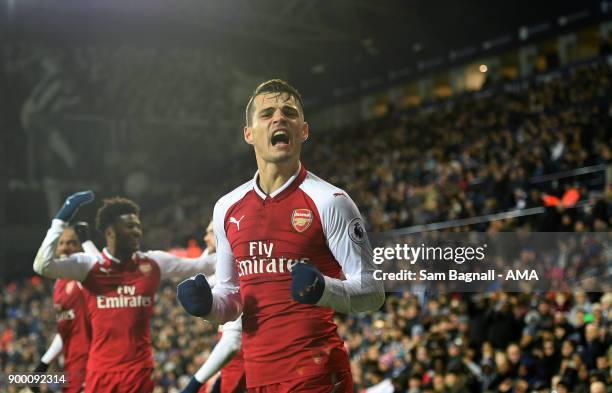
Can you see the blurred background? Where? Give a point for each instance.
(448, 115)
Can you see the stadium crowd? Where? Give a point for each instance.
(479, 343)
(459, 158)
(475, 154)
(448, 343)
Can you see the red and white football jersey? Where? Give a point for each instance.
(72, 325)
(260, 238)
(119, 295)
(120, 301)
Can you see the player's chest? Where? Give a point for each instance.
(288, 227)
(136, 279)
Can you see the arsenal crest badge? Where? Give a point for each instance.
(145, 268)
(301, 219)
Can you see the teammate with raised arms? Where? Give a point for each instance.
(120, 291)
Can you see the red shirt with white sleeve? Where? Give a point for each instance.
(72, 324)
(120, 296)
(260, 238)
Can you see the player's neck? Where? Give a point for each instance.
(121, 255)
(272, 175)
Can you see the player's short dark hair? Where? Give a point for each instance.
(272, 86)
(112, 208)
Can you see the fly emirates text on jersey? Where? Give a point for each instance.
(261, 261)
(126, 298)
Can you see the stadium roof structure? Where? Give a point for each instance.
(320, 44)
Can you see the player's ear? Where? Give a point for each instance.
(248, 135)
(305, 130)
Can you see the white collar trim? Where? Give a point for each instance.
(109, 256)
(282, 188)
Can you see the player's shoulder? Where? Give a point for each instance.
(158, 256)
(324, 194)
(88, 259)
(229, 199)
(96, 263)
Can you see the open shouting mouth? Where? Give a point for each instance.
(280, 138)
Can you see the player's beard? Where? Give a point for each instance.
(128, 246)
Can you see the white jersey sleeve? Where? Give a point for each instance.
(224, 351)
(227, 305)
(172, 266)
(75, 266)
(54, 350)
(90, 248)
(348, 242)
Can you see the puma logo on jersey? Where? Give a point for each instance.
(237, 222)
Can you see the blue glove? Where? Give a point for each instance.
(307, 285)
(195, 296)
(72, 204)
(193, 386)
